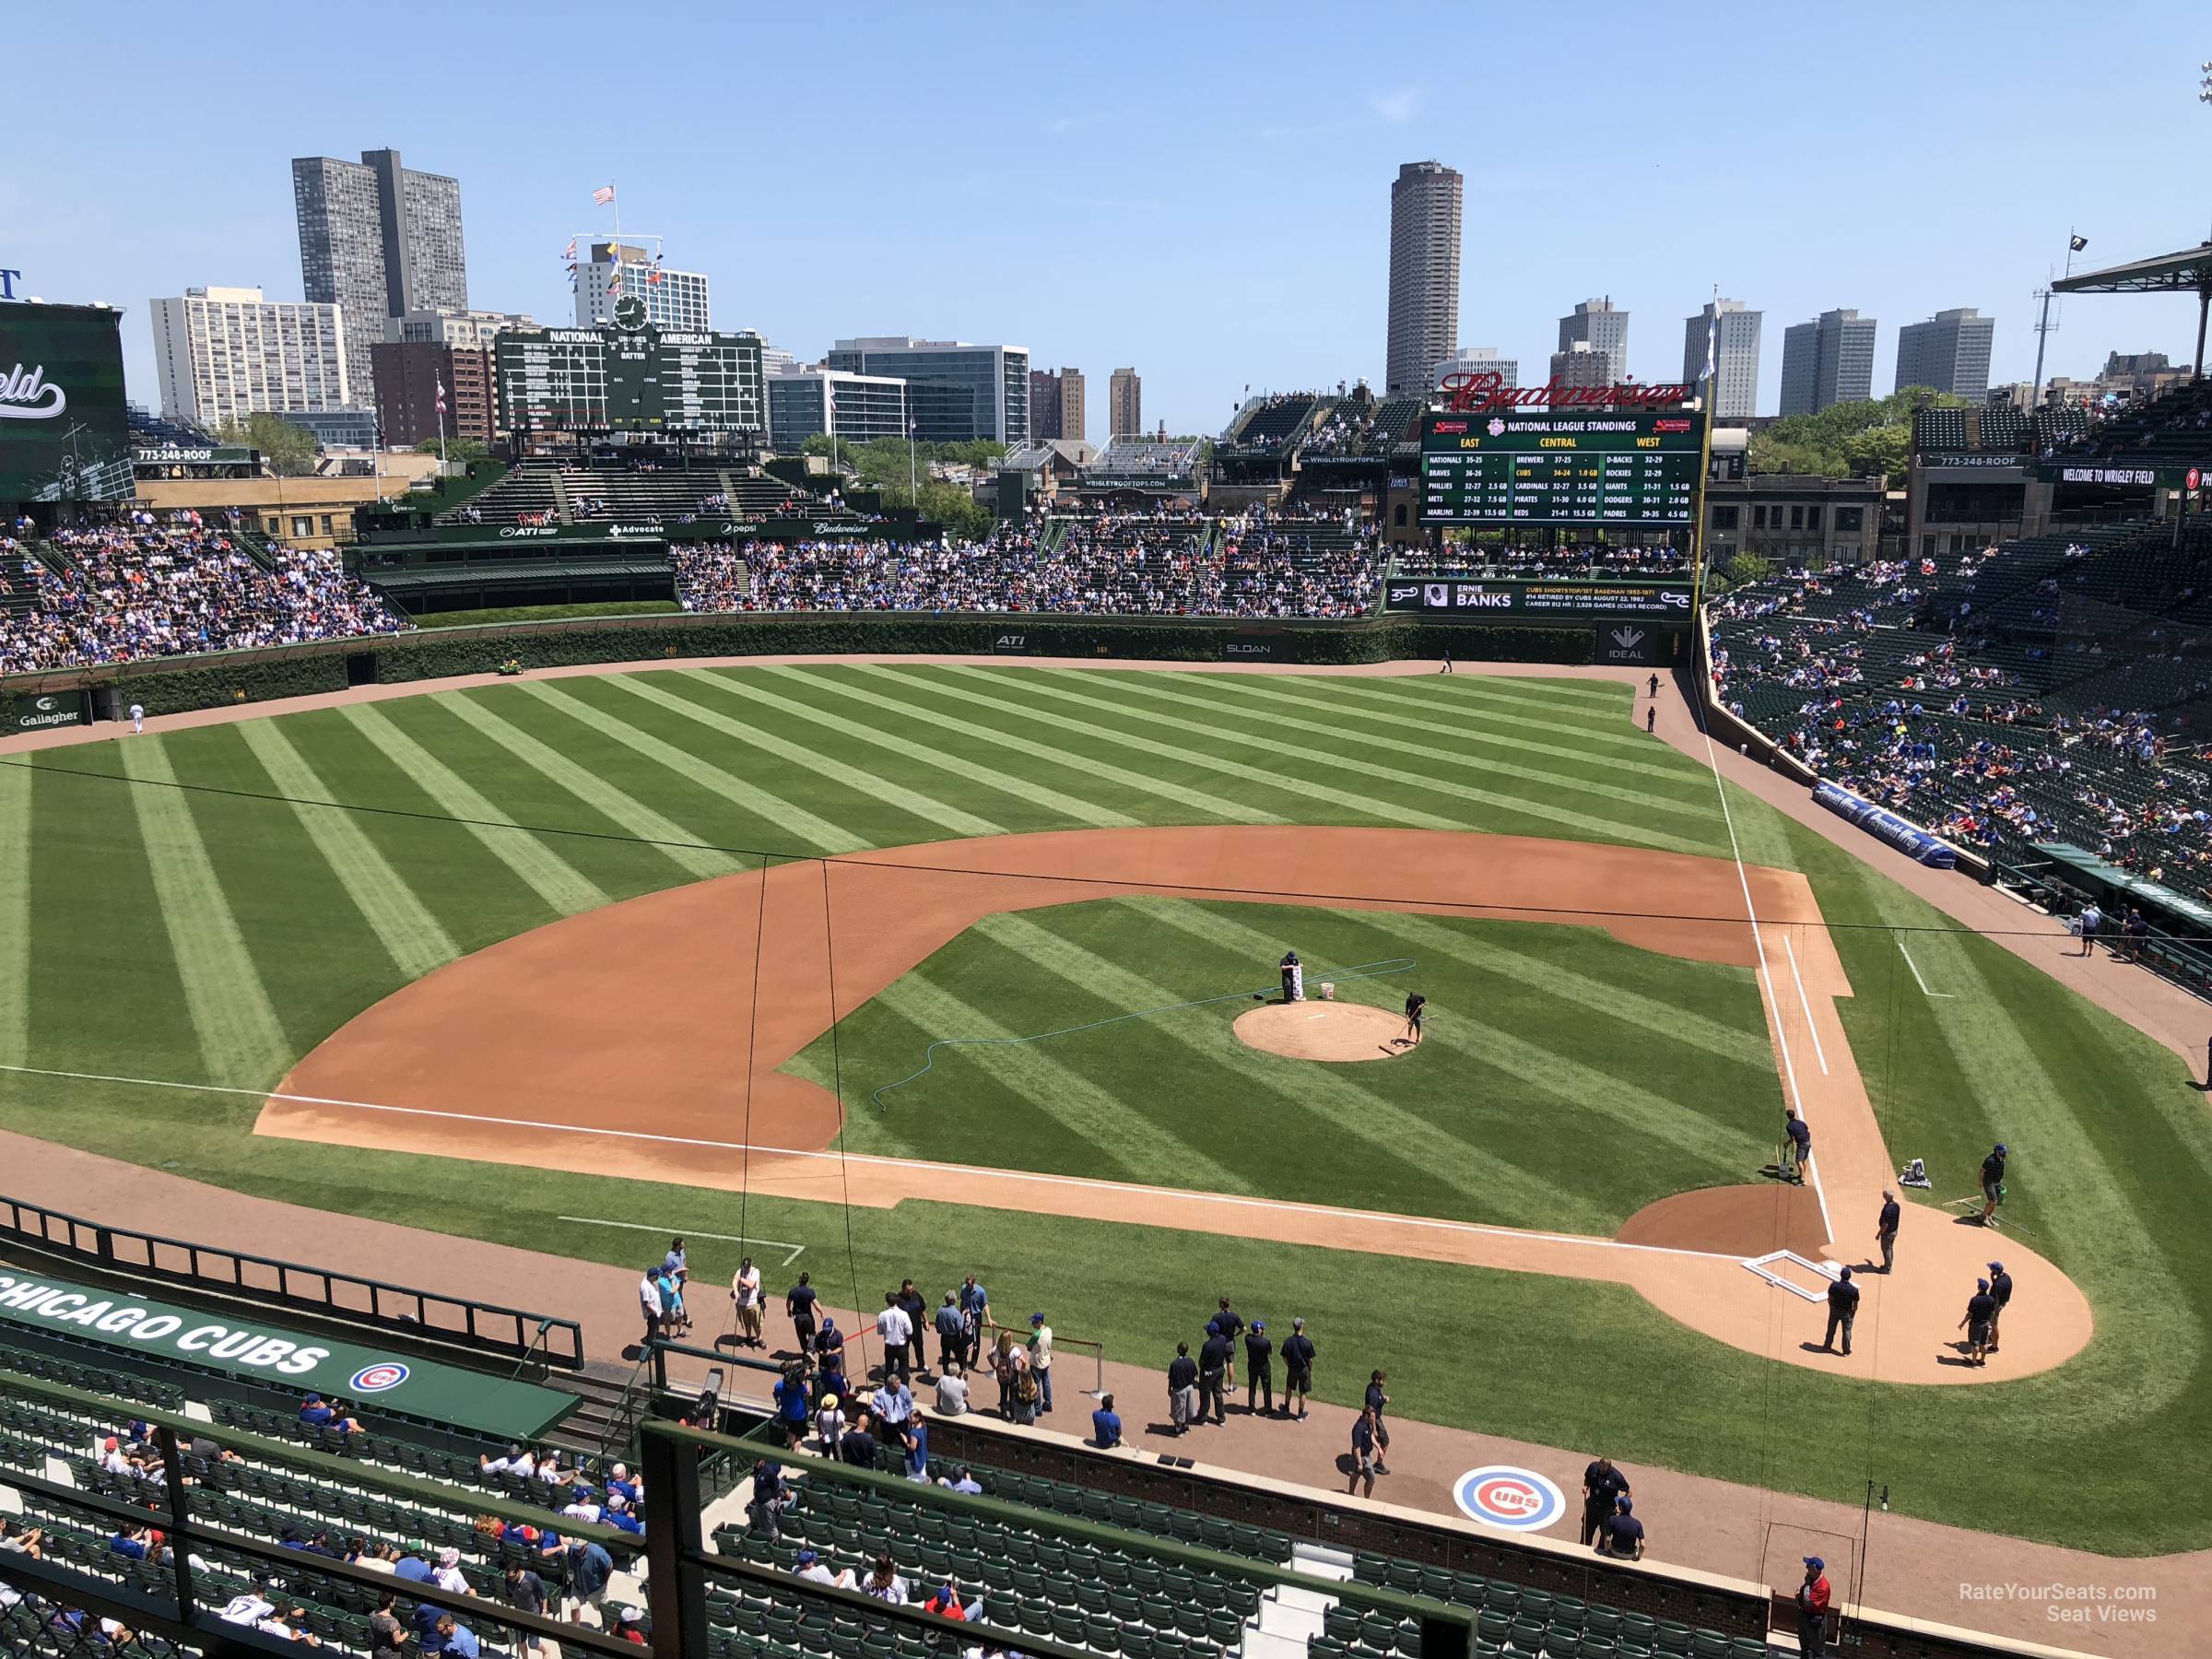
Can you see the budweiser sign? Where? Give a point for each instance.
(1468, 393)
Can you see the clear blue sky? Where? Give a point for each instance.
(1200, 191)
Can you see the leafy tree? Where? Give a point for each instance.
(456, 449)
(290, 450)
(1867, 440)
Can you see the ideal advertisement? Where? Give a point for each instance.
(63, 436)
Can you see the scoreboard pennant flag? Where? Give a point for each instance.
(569, 252)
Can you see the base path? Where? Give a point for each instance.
(648, 1035)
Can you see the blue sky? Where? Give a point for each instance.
(1199, 191)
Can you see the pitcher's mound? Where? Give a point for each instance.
(1324, 1030)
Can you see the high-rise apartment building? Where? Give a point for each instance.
(409, 376)
(1731, 333)
(224, 353)
(1125, 405)
(1582, 364)
(955, 391)
(378, 240)
(1425, 207)
(468, 330)
(673, 299)
(1480, 360)
(1829, 361)
(1949, 352)
(1604, 329)
(1055, 404)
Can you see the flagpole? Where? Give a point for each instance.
(441, 430)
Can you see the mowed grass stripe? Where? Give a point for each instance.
(1190, 696)
(1557, 1076)
(1440, 721)
(1603, 997)
(414, 938)
(1212, 804)
(564, 889)
(1591, 825)
(1450, 1167)
(814, 833)
(241, 1041)
(1363, 806)
(14, 913)
(1537, 708)
(744, 683)
(1127, 1135)
(809, 758)
(605, 798)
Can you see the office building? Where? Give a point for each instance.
(467, 330)
(409, 374)
(673, 299)
(1598, 325)
(1731, 334)
(225, 352)
(1582, 364)
(1125, 405)
(856, 407)
(1425, 207)
(1478, 359)
(378, 240)
(955, 391)
(1827, 361)
(1056, 405)
(1948, 352)
(350, 428)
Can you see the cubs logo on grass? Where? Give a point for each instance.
(1499, 1495)
(380, 1378)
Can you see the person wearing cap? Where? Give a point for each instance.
(1040, 1361)
(1796, 1145)
(630, 1624)
(895, 1331)
(830, 1423)
(810, 1566)
(1297, 1367)
(1182, 1389)
(964, 1482)
(1623, 1533)
(945, 1602)
(1812, 1600)
(1229, 1324)
(801, 1303)
(1885, 1229)
(1981, 1308)
(1259, 1369)
(1992, 1183)
(1213, 1372)
(589, 1569)
(2000, 1291)
(526, 1591)
(1363, 1456)
(1842, 1309)
(1602, 1484)
(793, 1409)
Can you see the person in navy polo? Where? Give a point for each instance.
(2000, 1291)
(1602, 1485)
(1106, 1424)
(1842, 1309)
(1624, 1532)
(1885, 1229)
(1981, 1308)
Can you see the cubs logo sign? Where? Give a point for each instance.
(1518, 1500)
(380, 1378)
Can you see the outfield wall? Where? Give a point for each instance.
(173, 685)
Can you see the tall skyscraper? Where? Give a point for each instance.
(1733, 334)
(673, 299)
(1829, 361)
(1125, 405)
(224, 353)
(1055, 404)
(1596, 324)
(378, 240)
(1425, 207)
(1948, 352)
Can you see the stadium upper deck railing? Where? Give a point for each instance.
(482, 1328)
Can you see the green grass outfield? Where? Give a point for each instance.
(216, 933)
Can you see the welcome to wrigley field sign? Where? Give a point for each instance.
(252, 1352)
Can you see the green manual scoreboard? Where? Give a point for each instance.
(64, 435)
(631, 377)
(1630, 468)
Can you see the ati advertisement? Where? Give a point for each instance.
(63, 437)
(1580, 601)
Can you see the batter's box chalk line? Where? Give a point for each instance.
(677, 1232)
(1764, 1266)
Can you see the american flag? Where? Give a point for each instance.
(570, 252)
(603, 195)
(441, 398)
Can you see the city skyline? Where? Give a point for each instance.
(1230, 235)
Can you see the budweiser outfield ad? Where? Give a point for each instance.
(63, 437)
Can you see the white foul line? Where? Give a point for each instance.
(724, 1238)
(981, 1172)
(1946, 995)
(1805, 1003)
(1781, 1038)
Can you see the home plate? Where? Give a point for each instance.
(1324, 1030)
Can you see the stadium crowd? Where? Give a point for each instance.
(141, 588)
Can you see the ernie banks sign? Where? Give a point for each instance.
(1499, 1495)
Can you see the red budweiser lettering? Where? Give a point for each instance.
(1480, 394)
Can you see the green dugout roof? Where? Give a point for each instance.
(514, 569)
(255, 1352)
(2153, 894)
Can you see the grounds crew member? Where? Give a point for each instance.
(1182, 1388)
(1885, 1229)
(1602, 1484)
(1981, 1308)
(1213, 1368)
(1297, 1367)
(1842, 1308)
(1797, 1145)
(1259, 1369)
(2000, 1290)
(1992, 1183)
(1812, 1599)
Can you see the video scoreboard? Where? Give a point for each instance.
(1597, 468)
(634, 379)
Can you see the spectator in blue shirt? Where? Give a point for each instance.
(915, 1437)
(1106, 1424)
(794, 1410)
(590, 1568)
(130, 1542)
(1624, 1532)
(411, 1567)
(455, 1639)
